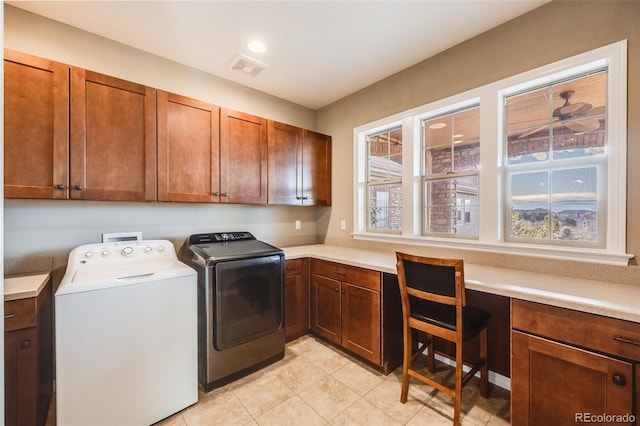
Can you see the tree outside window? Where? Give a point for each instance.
(555, 160)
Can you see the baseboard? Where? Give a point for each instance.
(495, 378)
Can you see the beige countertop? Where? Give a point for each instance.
(614, 300)
(22, 287)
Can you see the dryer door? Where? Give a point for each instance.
(248, 300)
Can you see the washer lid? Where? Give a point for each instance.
(232, 250)
(92, 278)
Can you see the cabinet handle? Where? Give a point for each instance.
(305, 198)
(216, 193)
(298, 197)
(60, 186)
(619, 380)
(344, 292)
(9, 316)
(78, 187)
(625, 340)
(340, 273)
(225, 194)
(336, 289)
(26, 344)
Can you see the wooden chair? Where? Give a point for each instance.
(433, 303)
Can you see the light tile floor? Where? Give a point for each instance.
(316, 384)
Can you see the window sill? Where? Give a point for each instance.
(577, 255)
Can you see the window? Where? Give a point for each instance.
(556, 161)
(451, 160)
(534, 164)
(384, 177)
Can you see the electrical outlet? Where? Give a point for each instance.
(343, 225)
(298, 225)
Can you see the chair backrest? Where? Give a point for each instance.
(437, 280)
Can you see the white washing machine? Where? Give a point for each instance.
(126, 335)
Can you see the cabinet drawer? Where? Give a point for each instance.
(602, 334)
(20, 313)
(293, 266)
(350, 274)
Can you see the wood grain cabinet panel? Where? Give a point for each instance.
(552, 383)
(296, 298)
(345, 309)
(299, 166)
(243, 158)
(326, 318)
(316, 169)
(36, 127)
(361, 321)
(188, 149)
(113, 138)
(285, 164)
(567, 364)
(28, 359)
(21, 377)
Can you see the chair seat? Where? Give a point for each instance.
(474, 319)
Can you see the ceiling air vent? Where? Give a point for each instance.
(246, 65)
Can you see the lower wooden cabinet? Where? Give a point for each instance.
(345, 307)
(296, 298)
(569, 366)
(28, 359)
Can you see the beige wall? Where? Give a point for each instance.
(550, 33)
(34, 228)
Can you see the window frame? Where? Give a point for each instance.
(426, 177)
(491, 185)
(551, 165)
(386, 182)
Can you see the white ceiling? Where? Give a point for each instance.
(317, 51)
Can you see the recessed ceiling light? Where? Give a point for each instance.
(436, 126)
(256, 46)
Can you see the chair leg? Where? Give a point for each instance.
(406, 364)
(484, 370)
(431, 366)
(457, 401)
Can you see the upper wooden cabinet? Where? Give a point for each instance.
(299, 166)
(188, 149)
(36, 127)
(113, 138)
(316, 169)
(79, 134)
(243, 158)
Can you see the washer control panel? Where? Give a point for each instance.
(121, 251)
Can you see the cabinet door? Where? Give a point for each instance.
(552, 383)
(325, 307)
(296, 298)
(113, 138)
(21, 377)
(361, 321)
(296, 312)
(188, 149)
(36, 122)
(285, 164)
(243, 158)
(316, 169)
